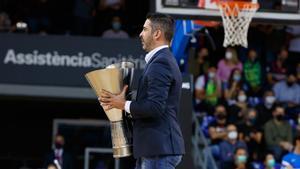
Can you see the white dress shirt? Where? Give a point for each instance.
(147, 59)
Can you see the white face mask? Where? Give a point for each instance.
(242, 98)
(211, 75)
(232, 135)
(228, 55)
(270, 99)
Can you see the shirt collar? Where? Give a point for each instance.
(153, 51)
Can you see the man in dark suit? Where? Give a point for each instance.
(157, 138)
(58, 155)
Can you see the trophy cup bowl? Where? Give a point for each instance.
(112, 79)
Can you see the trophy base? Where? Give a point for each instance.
(121, 139)
(122, 152)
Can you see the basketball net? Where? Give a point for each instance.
(236, 17)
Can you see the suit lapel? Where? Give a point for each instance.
(146, 68)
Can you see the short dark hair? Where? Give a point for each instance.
(163, 22)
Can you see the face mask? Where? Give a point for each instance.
(228, 55)
(242, 98)
(290, 84)
(211, 75)
(236, 77)
(241, 159)
(232, 135)
(116, 25)
(58, 145)
(279, 117)
(271, 163)
(270, 99)
(252, 120)
(221, 116)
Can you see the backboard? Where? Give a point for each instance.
(270, 11)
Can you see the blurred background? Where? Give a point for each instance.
(240, 107)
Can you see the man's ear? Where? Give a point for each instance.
(157, 34)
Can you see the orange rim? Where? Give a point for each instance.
(232, 4)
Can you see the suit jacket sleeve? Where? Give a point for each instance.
(157, 83)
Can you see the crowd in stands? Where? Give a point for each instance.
(249, 99)
(107, 18)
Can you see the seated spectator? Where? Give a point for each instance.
(237, 107)
(287, 92)
(292, 160)
(278, 69)
(5, 23)
(251, 133)
(270, 163)
(217, 129)
(58, 153)
(83, 12)
(265, 108)
(241, 159)
(116, 31)
(253, 74)
(298, 73)
(234, 85)
(200, 63)
(229, 146)
(278, 133)
(225, 66)
(207, 91)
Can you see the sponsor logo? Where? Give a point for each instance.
(56, 59)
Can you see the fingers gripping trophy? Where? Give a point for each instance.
(111, 80)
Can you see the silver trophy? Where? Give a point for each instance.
(112, 79)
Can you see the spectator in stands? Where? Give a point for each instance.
(229, 146)
(292, 160)
(207, 91)
(251, 133)
(217, 129)
(241, 159)
(59, 154)
(278, 133)
(52, 166)
(38, 19)
(226, 65)
(278, 69)
(298, 73)
(270, 162)
(253, 74)
(5, 23)
(237, 107)
(202, 62)
(294, 43)
(287, 92)
(116, 31)
(265, 108)
(234, 85)
(84, 12)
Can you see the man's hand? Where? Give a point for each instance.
(109, 100)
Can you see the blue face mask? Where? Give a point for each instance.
(271, 163)
(236, 77)
(241, 159)
(116, 25)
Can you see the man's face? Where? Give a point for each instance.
(60, 139)
(291, 79)
(146, 36)
(220, 114)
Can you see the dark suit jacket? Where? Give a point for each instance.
(67, 160)
(155, 129)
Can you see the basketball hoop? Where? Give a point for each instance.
(236, 16)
